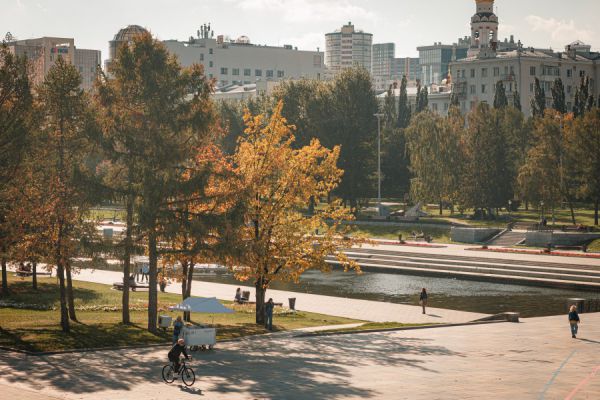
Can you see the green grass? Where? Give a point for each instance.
(594, 247)
(39, 330)
(440, 235)
(100, 213)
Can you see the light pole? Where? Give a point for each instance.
(509, 207)
(379, 116)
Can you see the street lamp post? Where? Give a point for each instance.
(509, 207)
(379, 116)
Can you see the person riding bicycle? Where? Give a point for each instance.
(175, 352)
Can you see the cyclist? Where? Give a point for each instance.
(175, 352)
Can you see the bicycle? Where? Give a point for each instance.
(186, 373)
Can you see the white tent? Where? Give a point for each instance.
(208, 305)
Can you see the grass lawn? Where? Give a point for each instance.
(36, 327)
(440, 235)
(594, 246)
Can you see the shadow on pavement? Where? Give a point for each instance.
(267, 366)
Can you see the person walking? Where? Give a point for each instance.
(574, 321)
(269, 305)
(177, 326)
(145, 273)
(423, 299)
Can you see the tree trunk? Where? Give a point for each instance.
(64, 313)
(526, 205)
(596, 204)
(260, 301)
(127, 259)
(441, 207)
(572, 212)
(187, 291)
(152, 295)
(184, 286)
(4, 278)
(34, 275)
(70, 297)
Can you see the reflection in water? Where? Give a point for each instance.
(483, 297)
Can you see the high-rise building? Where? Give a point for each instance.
(348, 47)
(382, 64)
(406, 66)
(434, 60)
(474, 78)
(43, 52)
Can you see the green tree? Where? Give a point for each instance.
(404, 113)
(454, 99)
(582, 101)
(500, 99)
(15, 110)
(538, 101)
(517, 99)
(422, 99)
(390, 113)
(558, 96)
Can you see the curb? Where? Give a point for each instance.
(536, 252)
(407, 328)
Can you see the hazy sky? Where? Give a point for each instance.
(302, 23)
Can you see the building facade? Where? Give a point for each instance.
(435, 59)
(124, 36)
(475, 77)
(382, 64)
(438, 98)
(239, 62)
(407, 66)
(348, 47)
(43, 52)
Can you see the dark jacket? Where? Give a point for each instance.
(423, 296)
(177, 328)
(573, 316)
(176, 351)
(269, 307)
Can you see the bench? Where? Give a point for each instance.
(25, 273)
(133, 287)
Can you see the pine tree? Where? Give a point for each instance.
(538, 102)
(582, 96)
(404, 113)
(517, 99)
(422, 99)
(558, 96)
(389, 109)
(500, 99)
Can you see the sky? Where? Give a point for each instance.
(302, 23)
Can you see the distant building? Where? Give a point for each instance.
(438, 98)
(239, 62)
(43, 52)
(408, 67)
(382, 64)
(124, 35)
(434, 60)
(348, 47)
(489, 61)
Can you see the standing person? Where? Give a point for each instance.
(177, 325)
(145, 272)
(423, 299)
(138, 272)
(238, 296)
(574, 321)
(269, 305)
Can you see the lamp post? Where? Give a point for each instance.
(542, 206)
(509, 207)
(379, 116)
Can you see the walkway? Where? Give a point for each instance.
(339, 306)
(535, 359)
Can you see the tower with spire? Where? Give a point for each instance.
(484, 30)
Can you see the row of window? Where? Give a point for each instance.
(247, 72)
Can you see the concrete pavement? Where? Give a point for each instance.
(339, 306)
(535, 359)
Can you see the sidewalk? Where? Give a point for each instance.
(365, 310)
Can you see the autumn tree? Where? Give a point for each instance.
(558, 96)
(276, 181)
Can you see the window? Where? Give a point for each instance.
(224, 71)
(235, 71)
(434, 107)
(506, 70)
(80, 69)
(472, 73)
(201, 56)
(258, 72)
(247, 72)
(569, 73)
(269, 73)
(496, 71)
(532, 71)
(210, 51)
(582, 73)
(210, 64)
(569, 88)
(280, 74)
(483, 88)
(484, 72)
(472, 89)
(445, 106)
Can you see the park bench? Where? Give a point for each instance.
(23, 273)
(133, 287)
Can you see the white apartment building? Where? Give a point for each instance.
(239, 62)
(475, 77)
(438, 98)
(348, 47)
(43, 52)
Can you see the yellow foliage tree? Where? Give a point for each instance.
(277, 181)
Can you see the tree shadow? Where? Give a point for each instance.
(273, 367)
(47, 294)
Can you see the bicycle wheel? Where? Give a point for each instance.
(188, 377)
(168, 374)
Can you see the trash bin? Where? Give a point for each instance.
(292, 303)
(579, 303)
(164, 321)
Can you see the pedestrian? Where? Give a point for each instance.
(574, 321)
(177, 326)
(423, 299)
(145, 273)
(238, 296)
(138, 272)
(269, 305)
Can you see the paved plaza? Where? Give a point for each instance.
(534, 359)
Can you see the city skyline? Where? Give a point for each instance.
(301, 23)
